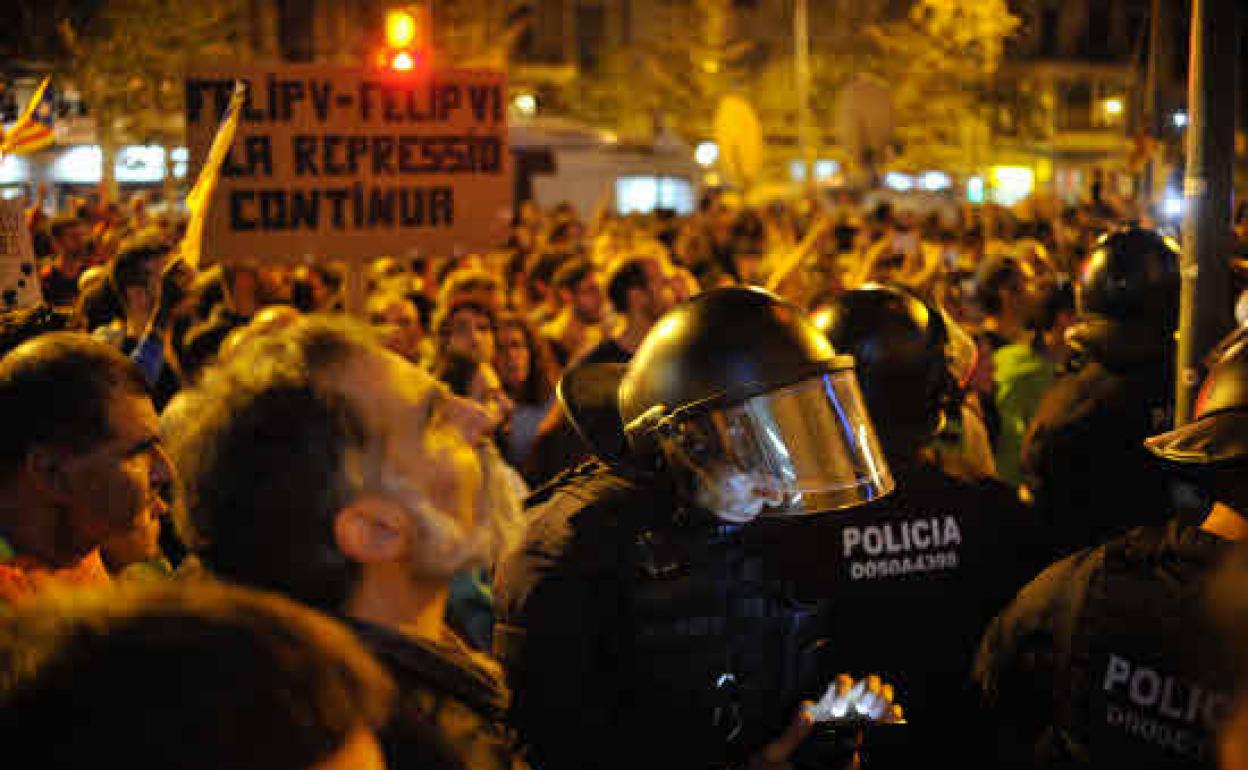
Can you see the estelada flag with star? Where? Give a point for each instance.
(34, 130)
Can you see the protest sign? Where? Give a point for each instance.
(19, 279)
(349, 163)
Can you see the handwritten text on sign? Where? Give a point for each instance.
(351, 163)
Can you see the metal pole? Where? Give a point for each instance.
(1152, 104)
(1205, 302)
(801, 63)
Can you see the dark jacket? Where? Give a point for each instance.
(637, 633)
(451, 707)
(1107, 659)
(912, 581)
(1084, 454)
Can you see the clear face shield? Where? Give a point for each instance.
(801, 449)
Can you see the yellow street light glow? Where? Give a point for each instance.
(1113, 106)
(403, 62)
(400, 29)
(526, 104)
(706, 154)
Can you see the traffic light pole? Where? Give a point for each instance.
(1205, 301)
(801, 60)
(1152, 104)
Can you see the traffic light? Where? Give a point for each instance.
(407, 40)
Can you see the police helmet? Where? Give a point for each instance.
(1132, 275)
(1217, 435)
(911, 359)
(739, 394)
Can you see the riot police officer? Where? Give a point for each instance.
(1110, 657)
(1083, 453)
(645, 622)
(940, 557)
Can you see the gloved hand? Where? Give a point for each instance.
(869, 699)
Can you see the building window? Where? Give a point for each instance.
(1048, 32)
(1076, 106)
(294, 29)
(591, 35)
(1097, 45)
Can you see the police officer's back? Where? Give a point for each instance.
(1110, 657)
(1083, 454)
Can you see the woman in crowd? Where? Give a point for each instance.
(528, 372)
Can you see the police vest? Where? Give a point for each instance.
(1148, 681)
(912, 582)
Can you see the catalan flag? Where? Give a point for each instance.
(33, 131)
(200, 196)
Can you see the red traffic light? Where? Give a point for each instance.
(403, 62)
(406, 33)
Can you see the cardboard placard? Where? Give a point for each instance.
(19, 275)
(350, 163)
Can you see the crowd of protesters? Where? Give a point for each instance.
(564, 289)
(372, 464)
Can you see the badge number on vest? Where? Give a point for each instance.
(901, 547)
(1168, 711)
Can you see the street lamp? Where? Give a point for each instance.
(525, 104)
(1179, 119)
(706, 153)
(1172, 206)
(403, 62)
(1113, 106)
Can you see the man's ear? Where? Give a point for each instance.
(45, 467)
(372, 530)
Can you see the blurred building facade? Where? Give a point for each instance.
(1070, 92)
(1084, 63)
(1069, 103)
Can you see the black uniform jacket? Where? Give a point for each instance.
(912, 581)
(1108, 659)
(1084, 453)
(636, 633)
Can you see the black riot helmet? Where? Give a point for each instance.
(743, 399)
(1217, 435)
(1132, 276)
(911, 359)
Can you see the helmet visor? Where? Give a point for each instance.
(802, 449)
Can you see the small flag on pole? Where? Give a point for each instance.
(199, 198)
(34, 130)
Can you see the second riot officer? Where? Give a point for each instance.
(935, 561)
(1083, 453)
